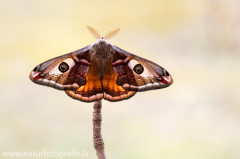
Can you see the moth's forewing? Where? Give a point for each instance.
(147, 74)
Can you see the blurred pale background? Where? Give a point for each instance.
(197, 41)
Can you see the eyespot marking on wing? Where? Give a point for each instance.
(139, 69)
(64, 66)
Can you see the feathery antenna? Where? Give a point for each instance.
(111, 33)
(94, 32)
(108, 35)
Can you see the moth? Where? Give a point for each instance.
(101, 70)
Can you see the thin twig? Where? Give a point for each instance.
(97, 136)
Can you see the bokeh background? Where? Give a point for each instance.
(197, 41)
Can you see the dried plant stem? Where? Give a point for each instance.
(97, 136)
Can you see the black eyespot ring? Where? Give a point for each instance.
(138, 68)
(63, 67)
(83, 82)
(119, 82)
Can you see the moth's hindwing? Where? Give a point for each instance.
(101, 78)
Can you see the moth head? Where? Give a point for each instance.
(53, 73)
